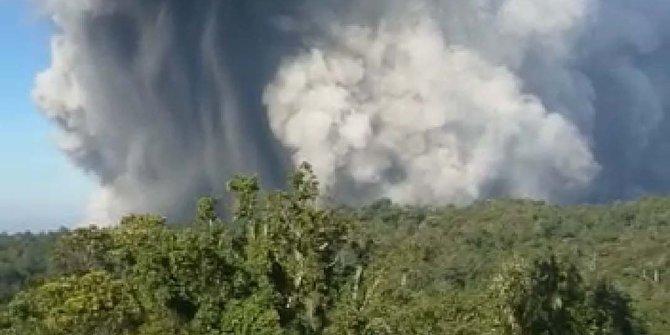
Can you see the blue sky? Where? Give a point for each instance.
(39, 188)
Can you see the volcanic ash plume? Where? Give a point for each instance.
(397, 112)
(419, 101)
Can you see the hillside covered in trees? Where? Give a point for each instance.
(24, 258)
(286, 263)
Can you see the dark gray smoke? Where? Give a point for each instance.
(162, 99)
(423, 101)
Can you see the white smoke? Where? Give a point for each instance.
(400, 112)
(460, 100)
(421, 101)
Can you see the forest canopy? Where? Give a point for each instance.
(286, 262)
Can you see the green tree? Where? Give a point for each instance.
(94, 303)
(550, 297)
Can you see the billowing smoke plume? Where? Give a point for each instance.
(422, 101)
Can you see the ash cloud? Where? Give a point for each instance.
(420, 101)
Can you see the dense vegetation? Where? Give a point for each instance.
(23, 258)
(287, 264)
